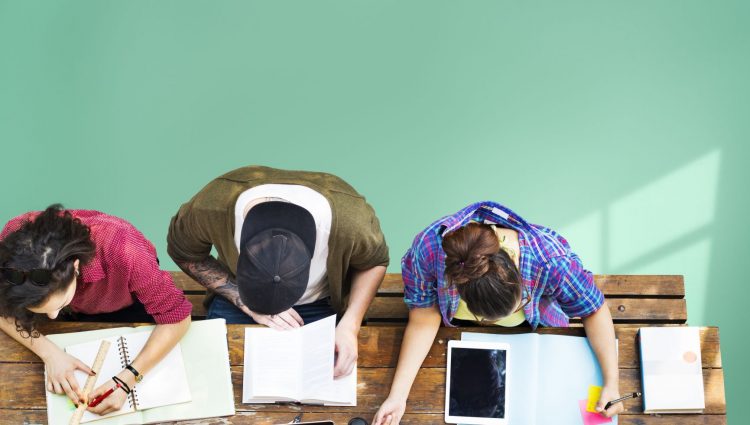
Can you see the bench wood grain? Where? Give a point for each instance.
(655, 299)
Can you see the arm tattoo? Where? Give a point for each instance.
(215, 277)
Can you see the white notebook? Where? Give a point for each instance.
(204, 358)
(295, 366)
(164, 385)
(671, 370)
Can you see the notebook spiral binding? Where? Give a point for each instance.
(125, 360)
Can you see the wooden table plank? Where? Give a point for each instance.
(427, 395)
(652, 310)
(379, 345)
(624, 310)
(34, 417)
(648, 286)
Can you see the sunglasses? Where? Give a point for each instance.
(39, 277)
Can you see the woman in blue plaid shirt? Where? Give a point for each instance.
(486, 264)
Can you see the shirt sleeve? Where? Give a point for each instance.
(153, 287)
(187, 240)
(420, 283)
(369, 246)
(573, 287)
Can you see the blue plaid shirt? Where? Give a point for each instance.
(559, 285)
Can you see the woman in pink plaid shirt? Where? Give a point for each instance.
(98, 268)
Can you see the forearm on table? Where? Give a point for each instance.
(214, 276)
(162, 340)
(418, 338)
(365, 285)
(41, 346)
(601, 334)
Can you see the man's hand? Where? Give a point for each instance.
(285, 320)
(346, 350)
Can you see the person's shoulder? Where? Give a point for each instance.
(16, 222)
(548, 243)
(97, 220)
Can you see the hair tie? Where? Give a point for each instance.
(461, 263)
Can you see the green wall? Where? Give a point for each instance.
(622, 124)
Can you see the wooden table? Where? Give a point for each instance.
(22, 398)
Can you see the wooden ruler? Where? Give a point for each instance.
(90, 381)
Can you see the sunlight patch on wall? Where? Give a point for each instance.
(661, 212)
(692, 261)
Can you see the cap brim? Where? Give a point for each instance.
(280, 215)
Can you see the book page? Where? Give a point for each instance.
(338, 392)
(567, 367)
(166, 383)
(275, 362)
(318, 340)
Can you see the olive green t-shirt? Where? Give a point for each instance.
(208, 219)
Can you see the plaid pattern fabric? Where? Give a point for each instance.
(124, 267)
(559, 285)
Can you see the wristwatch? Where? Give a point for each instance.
(138, 376)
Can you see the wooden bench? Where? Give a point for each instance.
(633, 299)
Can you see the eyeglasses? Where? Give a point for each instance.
(39, 277)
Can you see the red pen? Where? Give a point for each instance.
(95, 402)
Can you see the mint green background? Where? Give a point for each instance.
(624, 125)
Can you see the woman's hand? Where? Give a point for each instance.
(60, 379)
(390, 412)
(608, 394)
(114, 401)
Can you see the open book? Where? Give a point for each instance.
(295, 366)
(550, 375)
(193, 381)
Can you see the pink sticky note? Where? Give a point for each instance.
(591, 418)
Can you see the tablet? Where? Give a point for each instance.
(476, 383)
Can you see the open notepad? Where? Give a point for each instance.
(550, 375)
(165, 384)
(195, 372)
(295, 366)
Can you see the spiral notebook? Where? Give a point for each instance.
(164, 385)
(202, 355)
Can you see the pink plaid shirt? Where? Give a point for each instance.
(124, 268)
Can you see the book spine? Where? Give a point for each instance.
(643, 383)
(124, 361)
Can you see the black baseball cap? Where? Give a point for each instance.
(276, 246)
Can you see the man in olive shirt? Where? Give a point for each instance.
(293, 247)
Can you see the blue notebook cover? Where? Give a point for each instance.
(549, 374)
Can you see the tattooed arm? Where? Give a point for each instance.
(216, 277)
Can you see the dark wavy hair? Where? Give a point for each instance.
(485, 275)
(51, 241)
